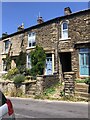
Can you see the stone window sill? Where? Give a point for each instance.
(28, 48)
(64, 39)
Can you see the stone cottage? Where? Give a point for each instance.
(65, 39)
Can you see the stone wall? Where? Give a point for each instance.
(69, 85)
(82, 91)
(44, 82)
(29, 88)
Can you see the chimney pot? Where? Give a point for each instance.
(67, 11)
(40, 20)
(21, 27)
(4, 34)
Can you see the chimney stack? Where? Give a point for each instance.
(67, 11)
(4, 34)
(40, 20)
(21, 27)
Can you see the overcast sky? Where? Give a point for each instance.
(16, 13)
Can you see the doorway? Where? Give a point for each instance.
(65, 60)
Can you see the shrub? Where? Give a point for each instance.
(87, 80)
(38, 59)
(19, 78)
(50, 90)
(22, 69)
(11, 73)
(80, 81)
(27, 72)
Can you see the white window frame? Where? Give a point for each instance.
(64, 30)
(3, 65)
(31, 39)
(28, 62)
(6, 49)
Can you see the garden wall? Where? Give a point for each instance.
(30, 87)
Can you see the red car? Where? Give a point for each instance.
(6, 108)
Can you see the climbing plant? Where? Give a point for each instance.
(21, 62)
(8, 62)
(38, 58)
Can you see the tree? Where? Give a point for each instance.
(38, 59)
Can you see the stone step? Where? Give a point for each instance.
(81, 90)
(82, 98)
(30, 96)
(32, 89)
(68, 86)
(81, 94)
(81, 85)
(31, 92)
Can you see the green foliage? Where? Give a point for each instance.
(62, 93)
(87, 80)
(27, 72)
(38, 58)
(80, 81)
(8, 62)
(19, 78)
(11, 73)
(50, 90)
(21, 62)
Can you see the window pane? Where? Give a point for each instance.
(29, 44)
(29, 61)
(82, 59)
(34, 43)
(6, 45)
(31, 40)
(65, 26)
(87, 59)
(65, 34)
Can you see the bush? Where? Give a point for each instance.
(22, 69)
(27, 72)
(87, 80)
(19, 78)
(38, 59)
(11, 73)
(80, 81)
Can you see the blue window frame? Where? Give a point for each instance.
(84, 61)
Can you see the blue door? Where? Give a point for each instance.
(84, 57)
(49, 65)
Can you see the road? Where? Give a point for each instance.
(30, 108)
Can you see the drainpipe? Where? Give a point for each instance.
(58, 60)
(58, 47)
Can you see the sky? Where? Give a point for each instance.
(16, 13)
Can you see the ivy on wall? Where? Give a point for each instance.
(8, 62)
(21, 62)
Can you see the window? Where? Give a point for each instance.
(4, 65)
(28, 61)
(84, 61)
(7, 45)
(31, 39)
(64, 30)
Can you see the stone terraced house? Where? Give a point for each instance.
(65, 39)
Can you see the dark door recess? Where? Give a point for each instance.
(65, 60)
